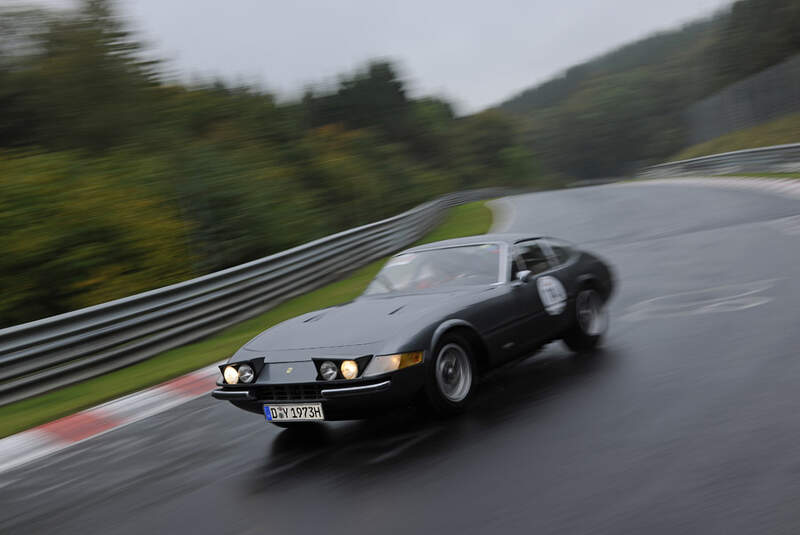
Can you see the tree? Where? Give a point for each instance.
(86, 83)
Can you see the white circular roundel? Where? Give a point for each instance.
(552, 294)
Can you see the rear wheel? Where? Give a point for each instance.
(451, 375)
(590, 321)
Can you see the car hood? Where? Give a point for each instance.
(365, 321)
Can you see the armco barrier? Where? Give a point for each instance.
(49, 353)
(775, 159)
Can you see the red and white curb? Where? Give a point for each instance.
(54, 436)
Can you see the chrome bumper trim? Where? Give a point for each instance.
(355, 390)
(231, 394)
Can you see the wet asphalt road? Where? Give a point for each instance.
(687, 422)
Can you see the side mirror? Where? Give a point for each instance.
(523, 276)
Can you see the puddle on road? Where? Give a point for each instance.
(729, 298)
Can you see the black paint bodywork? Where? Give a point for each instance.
(505, 321)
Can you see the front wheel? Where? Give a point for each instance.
(451, 376)
(590, 322)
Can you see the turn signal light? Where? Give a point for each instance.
(389, 363)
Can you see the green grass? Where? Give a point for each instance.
(776, 132)
(466, 220)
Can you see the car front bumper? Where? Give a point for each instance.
(341, 400)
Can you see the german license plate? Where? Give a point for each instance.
(300, 412)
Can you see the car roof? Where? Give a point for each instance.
(473, 240)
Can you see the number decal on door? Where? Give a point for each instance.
(552, 294)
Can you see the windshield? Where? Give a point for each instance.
(426, 270)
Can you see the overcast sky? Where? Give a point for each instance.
(475, 53)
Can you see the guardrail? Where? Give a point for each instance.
(60, 350)
(775, 159)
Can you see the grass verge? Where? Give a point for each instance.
(777, 132)
(466, 220)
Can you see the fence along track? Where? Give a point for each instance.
(775, 159)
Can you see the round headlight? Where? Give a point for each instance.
(231, 375)
(328, 370)
(246, 373)
(349, 369)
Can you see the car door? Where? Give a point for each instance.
(500, 316)
(543, 295)
(563, 271)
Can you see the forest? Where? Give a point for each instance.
(117, 180)
(625, 109)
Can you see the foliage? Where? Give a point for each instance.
(77, 233)
(626, 108)
(115, 181)
(755, 35)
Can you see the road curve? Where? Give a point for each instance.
(686, 422)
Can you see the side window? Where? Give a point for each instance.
(561, 250)
(514, 265)
(532, 256)
(516, 262)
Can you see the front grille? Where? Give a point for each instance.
(306, 392)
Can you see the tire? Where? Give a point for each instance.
(451, 376)
(590, 321)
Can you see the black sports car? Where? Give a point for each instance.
(432, 321)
